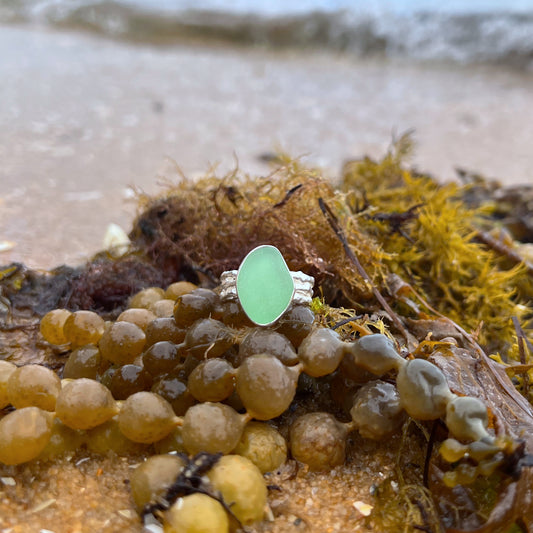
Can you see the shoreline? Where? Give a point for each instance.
(84, 118)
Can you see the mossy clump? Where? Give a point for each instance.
(212, 223)
(399, 224)
(431, 238)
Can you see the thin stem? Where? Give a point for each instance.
(333, 222)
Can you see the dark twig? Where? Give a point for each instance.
(333, 222)
(429, 450)
(397, 220)
(500, 247)
(191, 480)
(288, 195)
(527, 342)
(345, 321)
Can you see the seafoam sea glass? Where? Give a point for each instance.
(264, 285)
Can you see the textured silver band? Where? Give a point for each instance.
(303, 287)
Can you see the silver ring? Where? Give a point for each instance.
(262, 285)
(303, 287)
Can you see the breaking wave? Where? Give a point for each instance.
(481, 36)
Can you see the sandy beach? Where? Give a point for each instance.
(83, 119)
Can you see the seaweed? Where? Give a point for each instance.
(392, 251)
(211, 224)
(103, 284)
(436, 246)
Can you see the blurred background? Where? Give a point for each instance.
(100, 97)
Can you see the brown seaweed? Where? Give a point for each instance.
(379, 266)
(482, 378)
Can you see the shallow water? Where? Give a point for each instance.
(83, 118)
(461, 31)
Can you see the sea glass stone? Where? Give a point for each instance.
(264, 285)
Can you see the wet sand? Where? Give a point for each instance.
(82, 119)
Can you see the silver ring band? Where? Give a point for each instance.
(303, 287)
